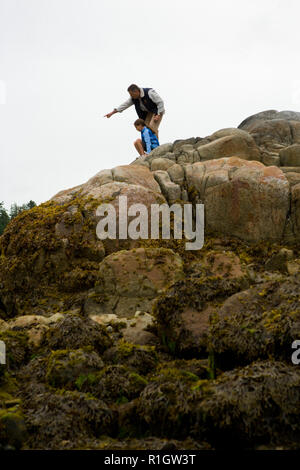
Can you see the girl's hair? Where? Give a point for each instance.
(139, 122)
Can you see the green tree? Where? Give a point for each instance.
(31, 204)
(15, 209)
(4, 218)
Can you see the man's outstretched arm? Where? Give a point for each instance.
(120, 108)
(111, 113)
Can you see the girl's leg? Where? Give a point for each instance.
(139, 146)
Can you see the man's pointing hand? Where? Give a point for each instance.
(110, 114)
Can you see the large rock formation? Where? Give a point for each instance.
(274, 132)
(126, 343)
(239, 196)
(243, 176)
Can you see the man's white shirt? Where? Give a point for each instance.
(152, 95)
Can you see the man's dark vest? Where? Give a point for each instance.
(147, 102)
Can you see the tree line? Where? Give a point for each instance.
(6, 216)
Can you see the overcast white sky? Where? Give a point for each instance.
(66, 63)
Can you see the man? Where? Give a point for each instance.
(148, 104)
